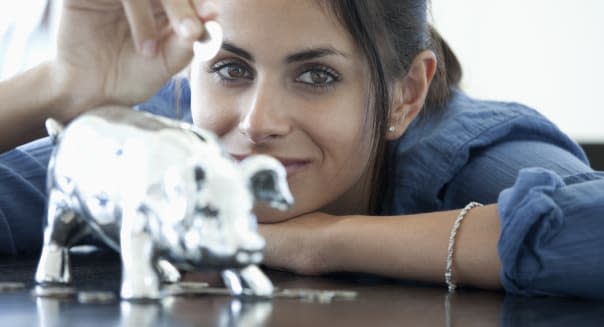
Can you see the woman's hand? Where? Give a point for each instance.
(300, 244)
(122, 51)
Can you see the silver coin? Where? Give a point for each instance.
(96, 297)
(6, 287)
(321, 296)
(325, 297)
(192, 285)
(59, 292)
(175, 290)
(207, 49)
(345, 295)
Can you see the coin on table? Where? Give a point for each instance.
(6, 287)
(321, 296)
(58, 292)
(96, 297)
(176, 290)
(192, 285)
(344, 295)
(330, 296)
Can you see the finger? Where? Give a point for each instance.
(183, 18)
(179, 52)
(207, 10)
(142, 25)
(208, 48)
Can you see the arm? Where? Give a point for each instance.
(22, 197)
(414, 246)
(114, 52)
(408, 247)
(26, 109)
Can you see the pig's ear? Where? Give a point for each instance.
(54, 129)
(267, 180)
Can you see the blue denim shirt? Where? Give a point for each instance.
(550, 201)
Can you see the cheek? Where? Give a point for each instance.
(347, 152)
(211, 110)
(347, 142)
(210, 114)
(344, 140)
(339, 127)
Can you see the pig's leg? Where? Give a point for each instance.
(167, 272)
(64, 228)
(248, 281)
(140, 278)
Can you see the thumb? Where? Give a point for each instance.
(179, 52)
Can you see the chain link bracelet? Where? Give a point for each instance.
(449, 268)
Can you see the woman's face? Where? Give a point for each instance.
(291, 83)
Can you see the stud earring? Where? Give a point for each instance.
(391, 129)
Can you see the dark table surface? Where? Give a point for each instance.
(379, 303)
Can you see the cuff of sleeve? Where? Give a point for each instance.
(529, 218)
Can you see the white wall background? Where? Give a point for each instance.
(27, 33)
(548, 54)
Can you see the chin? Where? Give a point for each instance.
(266, 215)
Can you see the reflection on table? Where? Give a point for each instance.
(379, 302)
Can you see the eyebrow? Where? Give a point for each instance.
(313, 53)
(304, 55)
(230, 47)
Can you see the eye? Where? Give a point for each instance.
(318, 77)
(231, 71)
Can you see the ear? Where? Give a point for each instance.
(409, 94)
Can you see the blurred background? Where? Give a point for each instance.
(548, 54)
(27, 33)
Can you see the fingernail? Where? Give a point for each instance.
(208, 9)
(148, 48)
(188, 28)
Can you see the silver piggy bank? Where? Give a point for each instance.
(164, 194)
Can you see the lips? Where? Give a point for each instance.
(292, 165)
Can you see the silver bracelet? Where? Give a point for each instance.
(449, 270)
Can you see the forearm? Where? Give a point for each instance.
(27, 100)
(415, 246)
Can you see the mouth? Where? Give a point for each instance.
(292, 165)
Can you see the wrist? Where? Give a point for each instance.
(332, 244)
(29, 99)
(65, 99)
(57, 96)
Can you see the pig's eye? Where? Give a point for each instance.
(208, 211)
(200, 176)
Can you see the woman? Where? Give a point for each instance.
(359, 100)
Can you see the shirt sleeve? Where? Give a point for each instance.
(173, 101)
(482, 135)
(552, 234)
(22, 197)
(493, 168)
(551, 216)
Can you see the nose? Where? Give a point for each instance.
(265, 117)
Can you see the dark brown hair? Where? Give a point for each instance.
(390, 33)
